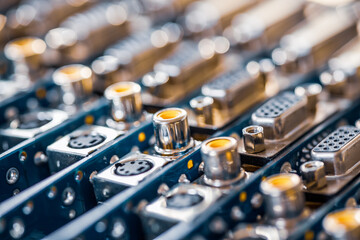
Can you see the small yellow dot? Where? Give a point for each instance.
(41, 93)
(146, 152)
(263, 178)
(89, 119)
(141, 137)
(309, 235)
(190, 164)
(243, 196)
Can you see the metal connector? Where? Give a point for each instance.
(262, 26)
(283, 196)
(281, 115)
(27, 50)
(127, 172)
(126, 103)
(311, 44)
(77, 145)
(172, 131)
(343, 224)
(339, 151)
(88, 33)
(203, 109)
(311, 91)
(76, 82)
(190, 66)
(204, 17)
(222, 166)
(253, 137)
(135, 55)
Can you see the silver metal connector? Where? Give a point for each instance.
(203, 109)
(339, 151)
(253, 137)
(283, 196)
(125, 100)
(222, 166)
(311, 91)
(343, 224)
(172, 131)
(313, 174)
(281, 115)
(76, 81)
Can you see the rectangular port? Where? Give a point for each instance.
(190, 66)
(339, 151)
(182, 203)
(77, 145)
(126, 172)
(232, 93)
(281, 115)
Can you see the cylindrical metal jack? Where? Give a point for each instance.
(27, 50)
(76, 82)
(313, 174)
(172, 131)
(126, 101)
(343, 224)
(253, 139)
(283, 196)
(222, 164)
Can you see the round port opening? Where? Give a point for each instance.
(346, 219)
(86, 140)
(133, 168)
(169, 114)
(219, 143)
(282, 182)
(183, 200)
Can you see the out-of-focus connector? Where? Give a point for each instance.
(26, 50)
(77, 145)
(262, 26)
(135, 55)
(126, 104)
(204, 17)
(339, 151)
(284, 200)
(222, 165)
(232, 93)
(90, 32)
(163, 11)
(310, 45)
(29, 125)
(342, 78)
(172, 131)
(183, 203)
(76, 82)
(36, 17)
(343, 224)
(191, 65)
(313, 174)
(127, 172)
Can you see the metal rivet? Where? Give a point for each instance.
(12, 175)
(17, 229)
(40, 158)
(68, 196)
(23, 156)
(118, 229)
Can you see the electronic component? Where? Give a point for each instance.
(312, 42)
(28, 125)
(262, 26)
(209, 16)
(190, 66)
(225, 97)
(343, 224)
(88, 33)
(183, 203)
(77, 145)
(135, 55)
(342, 80)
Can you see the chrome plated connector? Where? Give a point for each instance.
(311, 91)
(126, 104)
(343, 224)
(172, 131)
(339, 151)
(222, 165)
(281, 115)
(76, 82)
(313, 174)
(203, 109)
